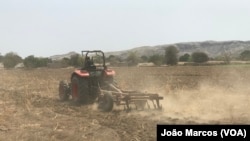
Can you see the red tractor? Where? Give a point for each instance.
(94, 83)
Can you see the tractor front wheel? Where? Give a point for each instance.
(106, 102)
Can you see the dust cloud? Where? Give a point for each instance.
(221, 98)
(209, 103)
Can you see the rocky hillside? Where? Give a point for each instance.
(59, 57)
(212, 48)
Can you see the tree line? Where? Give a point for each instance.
(11, 60)
(170, 57)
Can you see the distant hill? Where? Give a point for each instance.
(59, 57)
(212, 48)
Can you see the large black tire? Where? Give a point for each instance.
(63, 91)
(79, 90)
(106, 102)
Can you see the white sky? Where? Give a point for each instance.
(49, 27)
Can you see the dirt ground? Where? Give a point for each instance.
(30, 109)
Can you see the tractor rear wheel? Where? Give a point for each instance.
(63, 91)
(106, 102)
(79, 90)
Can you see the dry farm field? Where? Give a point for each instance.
(30, 109)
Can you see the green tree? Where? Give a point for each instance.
(199, 57)
(35, 62)
(156, 59)
(30, 62)
(132, 59)
(144, 58)
(75, 60)
(43, 62)
(112, 59)
(65, 62)
(184, 58)
(10, 60)
(171, 55)
(245, 55)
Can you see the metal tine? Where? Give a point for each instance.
(148, 105)
(154, 104)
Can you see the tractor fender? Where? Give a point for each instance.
(80, 73)
(109, 72)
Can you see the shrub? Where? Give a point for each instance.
(132, 59)
(184, 58)
(199, 57)
(35, 62)
(156, 59)
(245, 55)
(10, 60)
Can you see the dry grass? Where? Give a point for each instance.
(30, 109)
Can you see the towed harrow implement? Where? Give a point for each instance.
(129, 99)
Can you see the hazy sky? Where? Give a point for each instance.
(49, 27)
